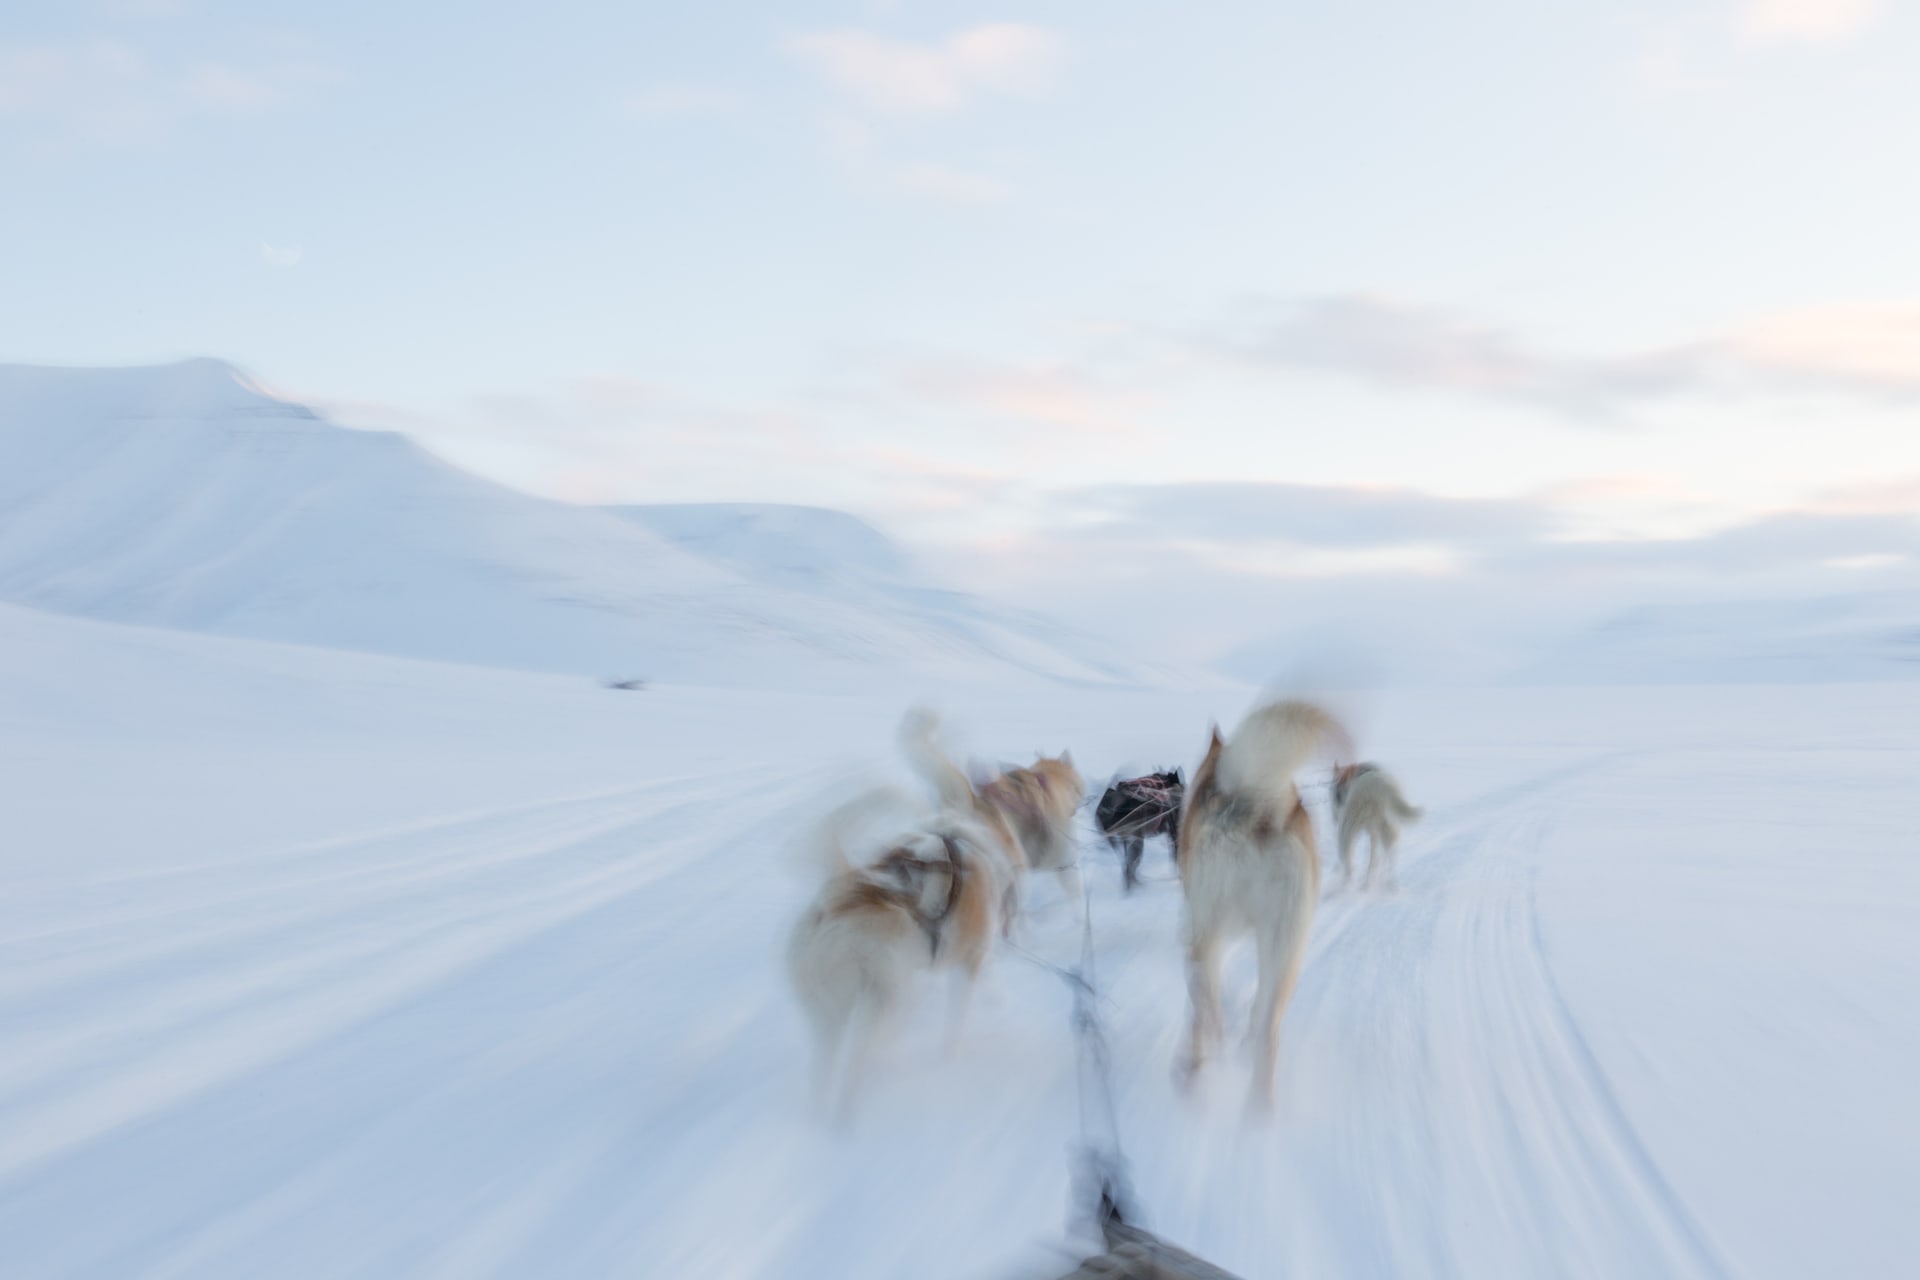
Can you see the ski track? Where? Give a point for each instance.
(1440, 1112)
(533, 1091)
(109, 1069)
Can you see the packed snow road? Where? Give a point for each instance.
(510, 1001)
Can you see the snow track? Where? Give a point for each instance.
(1535, 1169)
(137, 1015)
(1439, 1112)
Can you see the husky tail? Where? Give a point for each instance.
(1272, 744)
(926, 759)
(832, 852)
(1404, 811)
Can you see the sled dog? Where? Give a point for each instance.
(1029, 810)
(1133, 810)
(1367, 801)
(929, 900)
(1248, 866)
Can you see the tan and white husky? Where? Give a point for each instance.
(1367, 801)
(1248, 866)
(1030, 811)
(930, 899)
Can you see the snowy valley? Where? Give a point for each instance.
(349, 928)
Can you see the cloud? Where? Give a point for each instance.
(1897, 495)
(1872, 346)
(1053, 395)
(1805, 21)
(106, 92)
(1322, 516)
(676, 102)
(1694, 52)
(1780, 543)
(100, 91)
(1800, 538)
(1869, 349)
(1286, 531)
(953, 185)
(288, 257)
(898, 76)
(1395, 344)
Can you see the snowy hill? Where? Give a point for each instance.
(181, 496)
(1863, 636)
(1780, 639)
(838, 557)
(809, 547)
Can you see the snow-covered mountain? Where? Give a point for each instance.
(840, 558)
(1858, 636)
(810, 548)
(182, 496)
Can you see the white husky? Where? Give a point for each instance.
(1248, 865)
(930, 899)
(1367, 801)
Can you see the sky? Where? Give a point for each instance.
(1228, 321)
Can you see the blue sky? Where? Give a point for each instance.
(1026, 282)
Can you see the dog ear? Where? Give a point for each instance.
(1066, 756)
(1215, 739)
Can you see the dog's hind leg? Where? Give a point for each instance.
(853, 1072)
(1135, 846)
(1203, 992)
(1012, 903)
(964, 977)
(870, 1029)
(1385, 842)
(960, 997)
(1379, 854)
(829, 1028)
(1280, 961)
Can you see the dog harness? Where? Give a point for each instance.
(1153, 801)
(955, 875)
(1151, 790)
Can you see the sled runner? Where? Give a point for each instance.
(1134, 1254)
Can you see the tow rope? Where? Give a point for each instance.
(1101, 1173)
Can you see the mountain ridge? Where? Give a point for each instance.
(183, 495)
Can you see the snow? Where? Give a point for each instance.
(787, 543)
(1869, 636)
(318, 963)
(837, 557)
(181, 496)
